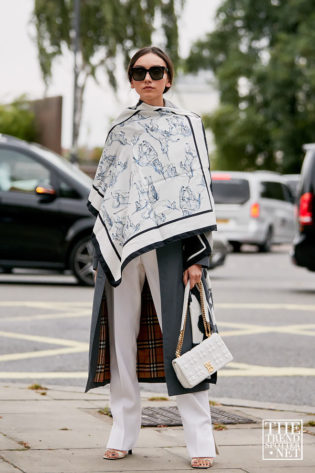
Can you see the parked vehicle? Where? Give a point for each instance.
(221, 248)
(254, 207)
(304, 242)
(44, 221)
(292, 181)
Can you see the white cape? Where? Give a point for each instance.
(152, 185)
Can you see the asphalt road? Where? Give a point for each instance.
(265, 309)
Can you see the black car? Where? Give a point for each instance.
(304, 243)
(44, 220)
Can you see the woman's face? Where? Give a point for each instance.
(149, 90)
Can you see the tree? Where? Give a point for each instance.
(16, 119)
(108, 29)
(263, 57)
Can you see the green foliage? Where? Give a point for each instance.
(262, 54)
(16, 119)
(108, 30)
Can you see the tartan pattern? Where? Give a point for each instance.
(102, 372)
(150, 360)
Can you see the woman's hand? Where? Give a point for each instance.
(193, 273)
(95, 275)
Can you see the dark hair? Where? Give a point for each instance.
(158, 52)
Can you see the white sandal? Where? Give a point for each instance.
(113, 454)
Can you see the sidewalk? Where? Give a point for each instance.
(60, 430)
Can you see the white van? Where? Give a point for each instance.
(253, 207)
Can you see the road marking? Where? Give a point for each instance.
(40, 338)
(83, 309)
(66, 310)
(42, 304)
(41, 353)
(233, 369)
(76, 310)
(245, 305)
(62, 315)
(43, 375)
(71, 346)
(244, 369)
(52, 305)
(251, 329)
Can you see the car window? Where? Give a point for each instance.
(230, 190)
(288, 194)
(21, 173)
(293, 185)
(272, 190)
(62, 163)
(65, 190)
(307, 183)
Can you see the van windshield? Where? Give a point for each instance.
(230, 191)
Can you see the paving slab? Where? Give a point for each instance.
(16, 392)
(51, 432)
(90, 460)
(249, 456)
(237, 436)
(241, 435)
(7, 468)
(263, 405)
(264, 413)
(164, 437)
(11, 394)
(69, 395)
(66, 434)
(7, 443)
(39, 407)
(282, 469)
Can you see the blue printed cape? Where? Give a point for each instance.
(152, 185)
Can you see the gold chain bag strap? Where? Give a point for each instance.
(203, 360)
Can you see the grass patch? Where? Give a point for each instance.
(158, 398)
(105, 412)
(219, 427)
(64, 428)
(310, 423)
(37, 387)
(213, 403)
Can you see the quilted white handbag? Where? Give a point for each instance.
(204, 359)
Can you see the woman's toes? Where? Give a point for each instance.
(201, 462)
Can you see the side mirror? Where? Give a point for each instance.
(45, 190)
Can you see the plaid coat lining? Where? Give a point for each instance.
(150, 361)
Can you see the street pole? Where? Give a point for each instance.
(76, 45)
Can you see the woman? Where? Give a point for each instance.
(152, 199)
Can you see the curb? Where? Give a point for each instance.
(224, 401)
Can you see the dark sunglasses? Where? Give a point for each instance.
(156, 72)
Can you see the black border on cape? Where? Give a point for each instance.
(143, 250)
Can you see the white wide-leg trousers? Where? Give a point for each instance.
(124, 304)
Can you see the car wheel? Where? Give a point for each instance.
(81, 261)
(236, 245)
(265, 247)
